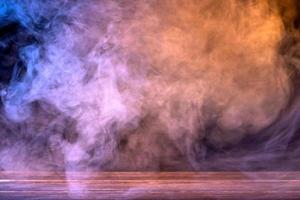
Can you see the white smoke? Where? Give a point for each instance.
(143, 80)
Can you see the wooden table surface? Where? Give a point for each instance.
(149, 185)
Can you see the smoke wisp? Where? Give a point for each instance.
(100, 85)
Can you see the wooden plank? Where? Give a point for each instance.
(150, 185)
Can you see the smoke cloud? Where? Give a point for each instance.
(100, 85)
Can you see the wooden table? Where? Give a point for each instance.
(149, 185)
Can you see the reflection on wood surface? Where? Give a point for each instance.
(150, 185)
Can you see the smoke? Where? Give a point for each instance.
(148, 85)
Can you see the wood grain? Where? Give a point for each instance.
(150, 185)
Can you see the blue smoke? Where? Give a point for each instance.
(26, 54)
